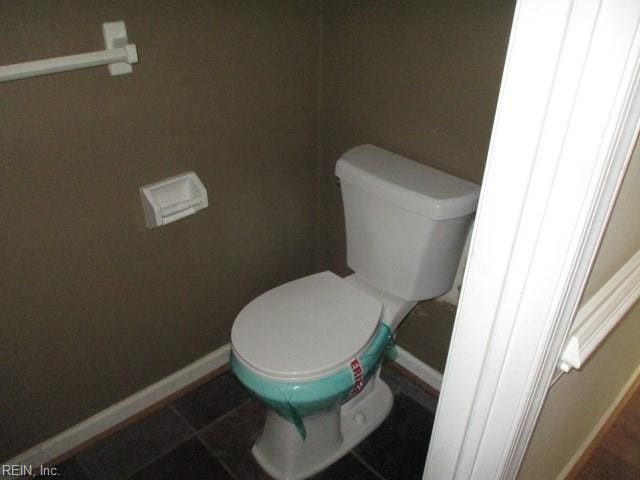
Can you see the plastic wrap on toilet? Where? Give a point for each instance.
(295, 400)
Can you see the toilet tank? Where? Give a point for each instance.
(406, 223)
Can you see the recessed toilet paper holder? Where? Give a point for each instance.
(173, 198)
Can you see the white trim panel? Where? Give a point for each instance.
(601, 314)
(112, 416)
(564, 128)
(417, 367)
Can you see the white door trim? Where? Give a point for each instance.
(565, 125)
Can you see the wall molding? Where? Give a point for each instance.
(99, 423)
(601, 313)
(109, 418)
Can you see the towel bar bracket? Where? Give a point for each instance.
(115, 36)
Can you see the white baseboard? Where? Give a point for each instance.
(86, 430)
(424, 372)
(601, 423)
(78, 434)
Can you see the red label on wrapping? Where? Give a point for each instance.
(356, 371)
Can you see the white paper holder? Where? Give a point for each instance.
(172, 199)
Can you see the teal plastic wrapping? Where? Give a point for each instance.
(296, 400)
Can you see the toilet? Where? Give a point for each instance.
(310, 350)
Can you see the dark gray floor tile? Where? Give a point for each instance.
(397, 450)
(347, 468)
(69, 470)
(190, 460)
(136, 445)
(212, 400)
(230, 439)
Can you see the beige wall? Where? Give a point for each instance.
(622, 236)
(578, 400)
(94, 306)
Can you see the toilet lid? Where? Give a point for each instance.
(306, 328)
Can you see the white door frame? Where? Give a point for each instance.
(565, 125)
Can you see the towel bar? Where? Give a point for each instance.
(119, 55)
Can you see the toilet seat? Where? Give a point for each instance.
(305, 329)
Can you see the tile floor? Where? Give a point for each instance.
(209, 432)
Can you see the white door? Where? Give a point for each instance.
(565, 124)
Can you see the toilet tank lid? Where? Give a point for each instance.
(407, 184)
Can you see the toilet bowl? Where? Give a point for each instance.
(306, 350)
(310, 350)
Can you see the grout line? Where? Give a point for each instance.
(171, 446)
(162, 453)
(197, 432)
(224, 415)
(218, 460)
(169, 449)
(366, 465)
(177, 412)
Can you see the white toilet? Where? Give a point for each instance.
(311, 349)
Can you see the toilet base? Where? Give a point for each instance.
(283, 454)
